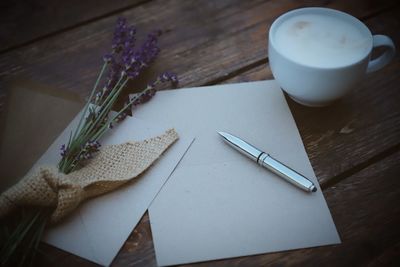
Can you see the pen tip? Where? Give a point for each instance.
(223, 134)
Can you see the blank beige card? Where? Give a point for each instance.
(220, 204)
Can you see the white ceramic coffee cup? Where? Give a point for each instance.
(320, 85)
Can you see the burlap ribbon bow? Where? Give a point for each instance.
(112, 167)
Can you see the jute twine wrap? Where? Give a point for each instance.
(112, 166)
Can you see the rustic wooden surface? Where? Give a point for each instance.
(353, 145)
(24, 22)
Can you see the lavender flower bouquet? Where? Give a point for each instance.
(124, 64)
(22, 233)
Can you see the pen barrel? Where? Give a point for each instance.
(287, 173)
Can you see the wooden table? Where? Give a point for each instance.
(353, 145)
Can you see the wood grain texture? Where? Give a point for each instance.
(24, 21)
(218, 41)
(139, 243)
(202, 45)
(358, 128)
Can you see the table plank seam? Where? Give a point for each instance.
(358, 168)
(71, 27)
(236, 72)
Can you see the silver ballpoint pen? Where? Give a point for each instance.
(269, 162)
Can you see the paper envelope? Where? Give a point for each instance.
(28, 128)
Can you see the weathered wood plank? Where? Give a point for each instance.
(200, 44)
(24, 21)
(358, 128)
(139, 243)
(193, 42)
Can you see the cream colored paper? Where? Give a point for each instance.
(99, 227)
(218, 203)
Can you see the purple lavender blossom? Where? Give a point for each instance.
(114, 74)
(122, 47)
(129, 44)
(88, 150)
(150, 90)
(121, 117)
(125, 59)
(119, 35)
(169, 77)
(94, 145)
(64, 150)
(136, 61)
(123, 114)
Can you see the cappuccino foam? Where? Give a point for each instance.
(322, 40)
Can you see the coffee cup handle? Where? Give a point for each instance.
(386, 57)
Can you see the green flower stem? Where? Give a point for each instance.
(17, 237)
(112, 90)
(63, 163)
(33, 242)
(111, 98)
(67, 164)
(104, 129)
(90, 98)
(93, 130)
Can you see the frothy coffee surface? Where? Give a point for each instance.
(321, 40)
